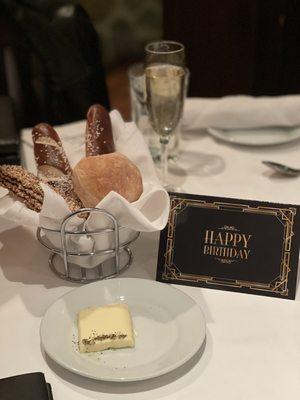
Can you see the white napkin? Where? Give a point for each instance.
(148, 214)
(234, 112)
(13, 211)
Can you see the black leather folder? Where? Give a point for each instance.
(32, 386)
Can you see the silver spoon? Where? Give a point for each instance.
(282, 169)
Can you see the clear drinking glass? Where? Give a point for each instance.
(166, 52)
(139, 112)
(165, 88)
(136, 75)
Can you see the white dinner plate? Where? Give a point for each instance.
(169, 327)
(258, 136)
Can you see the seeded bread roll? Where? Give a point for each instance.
(98, 134)
(94, 177)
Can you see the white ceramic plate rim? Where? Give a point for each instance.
(221, 134)
(162, 371)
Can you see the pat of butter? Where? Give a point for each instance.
(107, 327)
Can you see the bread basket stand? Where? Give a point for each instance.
(117, 257)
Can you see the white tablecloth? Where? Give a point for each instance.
(252, 348)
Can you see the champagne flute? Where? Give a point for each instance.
(167, 52)
(165, 88)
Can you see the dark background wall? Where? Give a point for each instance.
(124, 27)
(232, 47)
(238, 46)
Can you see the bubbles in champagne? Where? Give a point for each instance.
(165, 96)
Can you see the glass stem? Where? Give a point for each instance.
(164, 141)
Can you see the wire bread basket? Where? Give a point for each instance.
(105, 253)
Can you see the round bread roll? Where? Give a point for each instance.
(94, 177)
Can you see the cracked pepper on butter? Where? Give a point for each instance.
(106, 327)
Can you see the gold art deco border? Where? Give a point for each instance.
(285, 215)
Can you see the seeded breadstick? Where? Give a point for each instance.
(22, 184)
(26, 186)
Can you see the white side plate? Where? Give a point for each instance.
(258, 136)
(169, 326)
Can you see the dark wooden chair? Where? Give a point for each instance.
(50, 61)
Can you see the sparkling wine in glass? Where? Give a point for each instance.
(167, 52)
(165, 88)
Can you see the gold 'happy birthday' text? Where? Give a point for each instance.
(231, 245)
